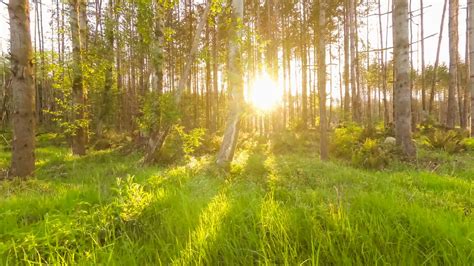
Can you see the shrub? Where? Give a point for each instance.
(468, 144)
(131, 199)
(345, 140)
(188, 141)
(451, 141)
(362, 147)
(371, 154)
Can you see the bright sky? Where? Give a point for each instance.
(432, 22)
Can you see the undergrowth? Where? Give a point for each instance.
(273, 207)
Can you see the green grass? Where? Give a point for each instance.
(285, 208)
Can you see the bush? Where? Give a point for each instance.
(468, 144)
(345, 140)
(188, 141)
(451, 141)
(371, 154)
(362, 147)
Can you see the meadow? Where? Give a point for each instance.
(271, 207)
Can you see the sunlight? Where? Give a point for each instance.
(265, 94)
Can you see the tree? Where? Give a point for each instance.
(453, 62)
(471, 59)
(322, 81)
(440, 39)
(23, 94)
(79, 138)
(422, 44)
(227, 149)
(402, 94)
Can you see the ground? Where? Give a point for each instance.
(272, 208)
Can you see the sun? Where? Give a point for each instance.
(265, 94)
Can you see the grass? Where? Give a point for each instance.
(272, 208)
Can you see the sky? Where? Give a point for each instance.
(433, 15)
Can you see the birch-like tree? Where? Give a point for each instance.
(236, 83)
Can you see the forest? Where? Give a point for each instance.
(236, 132)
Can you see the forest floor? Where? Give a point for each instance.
(272, 208)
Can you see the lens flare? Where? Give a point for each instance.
(265, 94)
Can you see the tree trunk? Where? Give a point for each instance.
(435, 69)
(354, 61)
(227, 149)
(78, 92)
(347, 97)
(471, 60)
(453, 62)
(402, 95)
(422, 37)
(158, 138)
(467, 94)
(23, 94)
(106, 108)
(324, 140)
(386, 115)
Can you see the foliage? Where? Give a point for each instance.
(363, 147)
(192, 140)
(189, 143)
(371, 154)
(451, 141)
(468, 143)
(345, 140)
(131, 199)
(159, 110)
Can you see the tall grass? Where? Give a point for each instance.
(271, 209)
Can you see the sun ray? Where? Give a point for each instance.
(265, 94)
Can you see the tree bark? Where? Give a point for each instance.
(324, 140)
(402, 95)
(386, 115)
(354, 61)
(347, 97)
(23, 93)
(453, 62)
(78, 91)
(471, 59)
(422, 37)
(435, 69)
(227, 149)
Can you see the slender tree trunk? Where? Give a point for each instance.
(435, 69)
(471, 59)
(304, 70)
(106, 107)
(422, 37)
(347, 96)
(354, 61)
(467, 95)
(324, 140)
(215, 80)
(402, 95)
(226, 152)
(157, 140)
(23, 93)
(78, 91)
(453, 62)
(386, 114)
